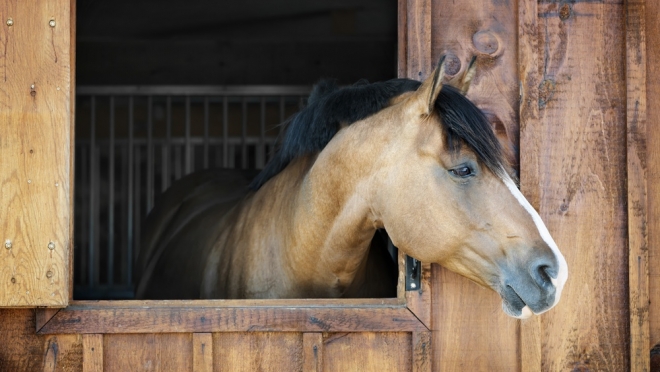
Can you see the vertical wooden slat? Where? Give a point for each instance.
(257, 351)
(92, 345)
(36, 165)
(573, 169)
(421, 352)
(312, 352)
(418, 56)
(529, 75)
(202, 352)
(638, 259)
(368, 352)
(148, 352)
(653, 171)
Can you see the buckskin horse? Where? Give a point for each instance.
(417, 160)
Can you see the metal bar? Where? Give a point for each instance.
(225, 132)
(261, 154)
(206, 132)
(150, 154)
(188, 152)
(244, 162)
(282, 109)
(83, 227)
(111, 196)
(183, 90)
(166, 148)
(177, 162)
(178, 141)
(129, 222)
(92, 280)
(137, 213)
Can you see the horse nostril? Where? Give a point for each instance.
(543, 274)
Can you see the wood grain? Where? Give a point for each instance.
(36, 162)
(367, 351)
(92, 346)
(21, 349)
(653, 171)
(135, 318)
(260, 351)
(313, 352)
(147, 352)
(421, 352)
(573, 168)
(637, 184)
(418, 62)
(202, 352)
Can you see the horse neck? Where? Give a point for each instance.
(333, 223)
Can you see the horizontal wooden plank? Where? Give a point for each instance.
(153, 319)
(302, 302)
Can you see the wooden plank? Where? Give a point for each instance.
(270, 303)
(402, 38)
(367, 351)
(418, 41)
(421, 352)
(259, 351)
(43, 316)
(148, 352)
(471, 332)
(202, 352)
(312, 352)
(36, 162)
(573, 162)
(21, 349)
(92, 353)
(653, 180)
(142, 319)
(638, 269)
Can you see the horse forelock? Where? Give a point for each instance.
(330, 107)
(464, 123)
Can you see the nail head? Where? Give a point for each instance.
(8, 244)
(51, 246)
(52, 23)
(10, 22)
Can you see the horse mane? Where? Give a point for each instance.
(329, 107)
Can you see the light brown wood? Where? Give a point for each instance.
(202, 352)
(638, 269)
(368, 352)
(418, 41)
(147, 352)
(653, 171)
(573, 168)
(418, 301)
(259, 351)
(421, 352)
(312, 352)
(92, 345)
(36, 162)
(143, 319)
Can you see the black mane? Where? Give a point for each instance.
(329, 107)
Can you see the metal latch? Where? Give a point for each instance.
(413, 274)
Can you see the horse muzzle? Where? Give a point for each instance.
(532, 288)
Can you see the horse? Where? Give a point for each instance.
(417, 160)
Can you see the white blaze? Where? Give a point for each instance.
(562, 273)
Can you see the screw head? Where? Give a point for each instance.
(10, 22)
(51, 246)
(51, 23)
(413, 285)
(8, 244)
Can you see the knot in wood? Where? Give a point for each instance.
(486, 42)
(452, 64)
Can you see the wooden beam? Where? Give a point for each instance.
(136, 318)
(203, 352)
(313, 352)
(92, 345)
(421, 353)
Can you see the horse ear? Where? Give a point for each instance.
(428, 92)
(464, 83)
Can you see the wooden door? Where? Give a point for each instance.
(36, 159)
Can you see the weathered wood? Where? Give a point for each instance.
(202, 352)
(573, 169)
(43, 316)
(133, 318)
(421, 352)
(92, 345)
(419, 301)
(418, 39)
(312, 352)
(367, 351)
(638, 269)
(147, 352)
(653, 157)
(468, 320)
(36, 163)
(21, 349)
(260, 351)
(470, 330)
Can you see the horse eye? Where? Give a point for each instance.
(462, 172)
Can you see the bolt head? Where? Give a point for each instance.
(10, 22)
(51, 246)
(52, 23)
(8, 244)
(413, 285)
